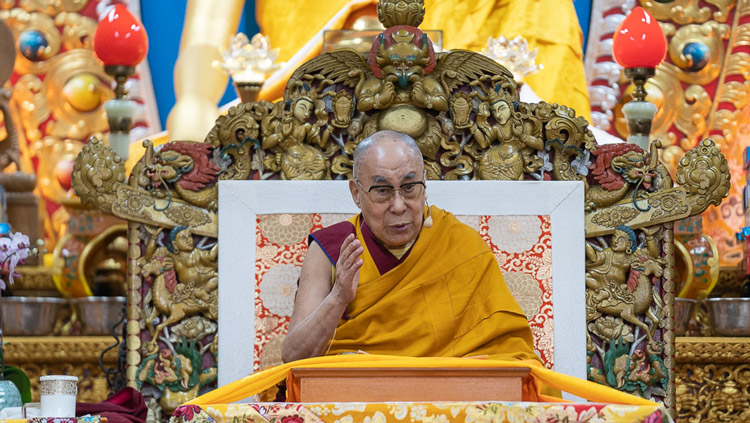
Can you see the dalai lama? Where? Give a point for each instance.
(401, 277)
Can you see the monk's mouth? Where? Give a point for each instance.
(399, 228)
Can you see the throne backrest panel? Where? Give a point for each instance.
(520, 234)
(522, 246)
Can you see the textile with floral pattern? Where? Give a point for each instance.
(439, 412)
(522, 246)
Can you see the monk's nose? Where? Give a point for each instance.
(398, 204)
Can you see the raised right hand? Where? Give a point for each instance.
(347, 270)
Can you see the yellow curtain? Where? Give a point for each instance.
(550, 25)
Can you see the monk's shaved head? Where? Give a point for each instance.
(364, 147)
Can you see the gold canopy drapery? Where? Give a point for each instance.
(295, 28)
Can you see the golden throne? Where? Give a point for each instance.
(464, 111)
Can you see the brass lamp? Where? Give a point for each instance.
(639, 46)
(121, 43)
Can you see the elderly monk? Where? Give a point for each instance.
(401, 278)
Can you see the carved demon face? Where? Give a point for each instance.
(402, 55)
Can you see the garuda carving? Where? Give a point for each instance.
(405, 85)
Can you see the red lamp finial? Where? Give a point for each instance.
(120, 39)
(639, 41)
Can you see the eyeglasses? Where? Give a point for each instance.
(386, 193)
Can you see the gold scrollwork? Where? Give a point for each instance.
(680, 11)
(704, 172)
(713, 350)
(713, 393)
(132, 204)
(743, 8)
(19, 21)
(53, 7)
(97, 171)
(670, 156)
(49, 152)
(698, 50)
(31, 97)
(615, 216)
(78, 31)
(39, 356)
(735, 92)
(665, 91)
(187, 216)
(724, 7)
(739, 62)
(142, 206)
(400, 12)
(668, 205)
(694, 110)
(73, 123)
(236, 132)
(724, 120)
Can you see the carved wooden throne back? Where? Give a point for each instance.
(463, 109)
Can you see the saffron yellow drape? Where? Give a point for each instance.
(446, 299)
(258, 382)
(550, 25)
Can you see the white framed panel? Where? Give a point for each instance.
(240, 203)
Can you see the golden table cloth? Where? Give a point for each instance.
(406, 412)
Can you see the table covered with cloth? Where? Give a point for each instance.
(415, 412)
(608, 405)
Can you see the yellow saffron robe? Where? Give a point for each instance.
(446, 299)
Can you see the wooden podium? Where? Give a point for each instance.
(323, 385)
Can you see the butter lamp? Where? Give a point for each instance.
(121, 43)
(639, 46)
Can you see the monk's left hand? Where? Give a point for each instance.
(347, 270)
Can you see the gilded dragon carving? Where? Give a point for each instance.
(464, 111)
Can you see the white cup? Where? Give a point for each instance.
(58, 395)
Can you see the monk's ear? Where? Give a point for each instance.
(354, 189)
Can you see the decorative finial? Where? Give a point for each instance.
(514, 55)
(249, 61)
(400, 12)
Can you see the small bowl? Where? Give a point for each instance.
(730, 316)
(30, 316)
(99, 314)
(683, 309)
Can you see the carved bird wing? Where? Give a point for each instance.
(460, 67)
(337, 66)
